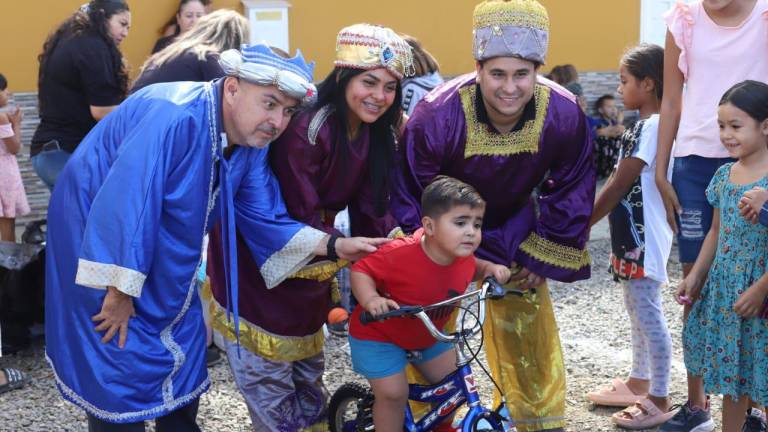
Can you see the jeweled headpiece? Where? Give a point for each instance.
(258, 64)
(511, 28)
(366, 46)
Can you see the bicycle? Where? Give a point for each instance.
(351, 406)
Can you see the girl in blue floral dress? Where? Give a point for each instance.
(725, 340)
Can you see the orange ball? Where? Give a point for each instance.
(337, 315)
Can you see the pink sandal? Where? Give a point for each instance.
(618, 395)
(642, 415)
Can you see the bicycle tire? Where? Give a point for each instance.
(494, 426)
(346, 395)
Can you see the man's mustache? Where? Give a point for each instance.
(272, 131)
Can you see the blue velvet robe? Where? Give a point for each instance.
(130, 210)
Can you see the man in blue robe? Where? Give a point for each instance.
(125, 229)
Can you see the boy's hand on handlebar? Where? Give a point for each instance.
(499, 272)
(379, 305)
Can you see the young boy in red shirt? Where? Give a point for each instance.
(437, 262)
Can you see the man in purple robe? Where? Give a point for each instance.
(523, 143)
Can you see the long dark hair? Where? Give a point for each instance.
(381, 148)
(749, 96)
(646, 61)
(90, 19)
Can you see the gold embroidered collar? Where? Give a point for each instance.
(481, 140)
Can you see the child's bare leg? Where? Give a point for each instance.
(8, 229)
(696, 395)
(438, 368)
(638, 386)
(391, 395)
(733, 413)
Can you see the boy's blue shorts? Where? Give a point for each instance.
(373, 359)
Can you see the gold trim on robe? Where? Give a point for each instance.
(482, 141)
(321, 271)
(259, 341)
(555, 254)
(317, 427)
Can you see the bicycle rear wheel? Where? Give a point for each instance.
(351, 409)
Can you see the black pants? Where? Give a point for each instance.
(181, 420)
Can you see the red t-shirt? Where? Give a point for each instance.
(405, 274)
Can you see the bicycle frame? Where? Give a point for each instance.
(456, 390)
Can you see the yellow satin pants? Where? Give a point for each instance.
(522, 344)
(523, 348)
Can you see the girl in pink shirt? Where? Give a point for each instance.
(711, 45)
(13, 200)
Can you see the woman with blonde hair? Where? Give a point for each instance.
(195, 55)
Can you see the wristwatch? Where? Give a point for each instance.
(331, 250)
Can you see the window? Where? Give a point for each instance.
(269, 22)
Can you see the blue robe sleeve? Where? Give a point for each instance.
(279, 244)
(122, 227)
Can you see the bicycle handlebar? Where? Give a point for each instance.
(367, 318)
(489, 289)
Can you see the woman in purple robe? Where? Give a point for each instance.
(336, 155)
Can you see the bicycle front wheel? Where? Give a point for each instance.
(350, 409)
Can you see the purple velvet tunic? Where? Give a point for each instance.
(317, 182)
(546, 233)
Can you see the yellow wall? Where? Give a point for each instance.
(591, 34)
(26, 25)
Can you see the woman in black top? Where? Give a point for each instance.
(187, 14)
(82, 78)
(195, 55)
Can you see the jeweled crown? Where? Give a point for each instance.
(513, 28)
(366, 46)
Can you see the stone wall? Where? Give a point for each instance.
(596, 84)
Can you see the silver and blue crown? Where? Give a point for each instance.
(260, 65)
(263, 54)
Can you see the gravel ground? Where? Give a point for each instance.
(594, 332)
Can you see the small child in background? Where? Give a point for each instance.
(724, 338)
(13, 199)
(641, 241)
(607, 129)
(435, 263)
(426, 76)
